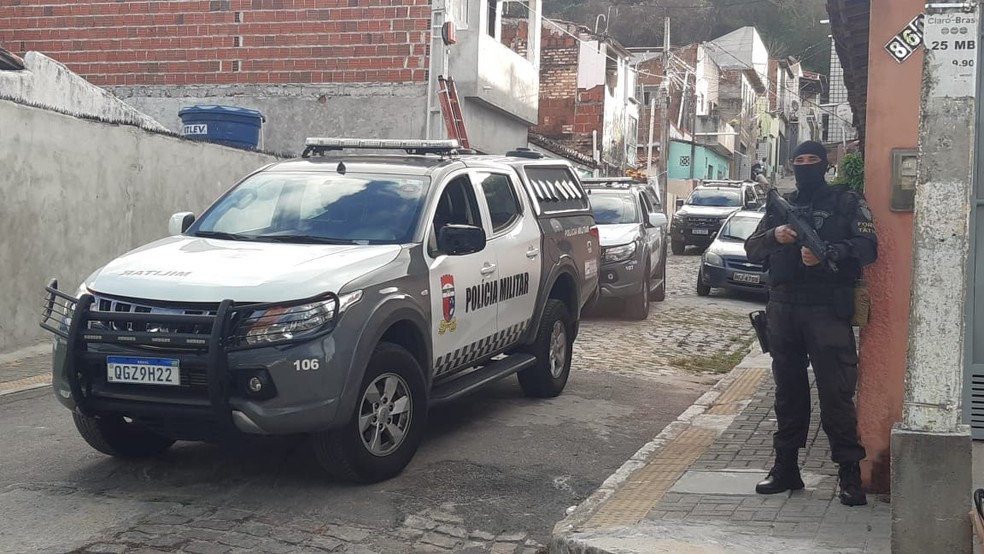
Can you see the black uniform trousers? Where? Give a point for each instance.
(800, 334)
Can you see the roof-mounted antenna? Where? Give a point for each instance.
(341, 168)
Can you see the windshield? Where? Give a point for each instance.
(739, 228)
(317, 208)
(715, 197)
(612, 209)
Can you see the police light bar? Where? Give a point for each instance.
(327, 143)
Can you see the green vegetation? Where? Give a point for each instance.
(788, 27)
(850, 172)
(720, 362)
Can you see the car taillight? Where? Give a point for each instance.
(595, 233)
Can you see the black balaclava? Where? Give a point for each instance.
(810, 177)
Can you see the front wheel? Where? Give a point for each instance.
(678, 247)
(702, 289)
(117, 436)
(387, 426)
(638, 305)
(552, 348)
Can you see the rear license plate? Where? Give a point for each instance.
(143, 371)
(746, 277)
(700, 231)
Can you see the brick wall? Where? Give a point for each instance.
(558, 85)
(516, 35)
(179, 42)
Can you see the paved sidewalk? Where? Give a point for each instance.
(693, 488)
(25, 369)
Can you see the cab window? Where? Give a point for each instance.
(457, 206)
(500, 195)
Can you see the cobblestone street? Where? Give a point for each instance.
(679, 330)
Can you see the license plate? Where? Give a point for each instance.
(143, 371)
(700, 231)
(746, 277)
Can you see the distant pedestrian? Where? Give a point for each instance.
(811, 304)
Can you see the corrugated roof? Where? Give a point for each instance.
(10, 61)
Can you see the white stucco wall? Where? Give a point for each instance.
(76, 193)
(46, 82)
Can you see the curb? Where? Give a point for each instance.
(26, 384)
(708, 417)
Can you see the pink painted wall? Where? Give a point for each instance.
(892, 122)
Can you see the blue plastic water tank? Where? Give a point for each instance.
(227, 125)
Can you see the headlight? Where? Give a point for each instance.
(710, 258)
(282, 324)
(618, 253)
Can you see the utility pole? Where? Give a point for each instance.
(931, 447)
(664, 130)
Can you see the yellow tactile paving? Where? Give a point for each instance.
(25, 383)
(741, 389)
(644, 488)
(640, 493)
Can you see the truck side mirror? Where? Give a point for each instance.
(458, 240)
(657, 219)
(180, 222)
(679, 203)
(753, 205)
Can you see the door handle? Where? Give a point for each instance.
(488, 269)
(532, 252)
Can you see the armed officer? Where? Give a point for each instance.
(811, 303)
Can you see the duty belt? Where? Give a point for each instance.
(804, 294)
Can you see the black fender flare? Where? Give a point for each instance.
(560, 271)
(389, 312)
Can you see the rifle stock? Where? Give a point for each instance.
(805, 234)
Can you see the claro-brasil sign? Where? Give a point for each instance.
(954, 35)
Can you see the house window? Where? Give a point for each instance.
(459, 12)
(493, 16)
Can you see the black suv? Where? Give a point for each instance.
(706, 209)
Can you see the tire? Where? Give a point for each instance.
(114, 436)
(678, 247)
(352, 453)
(659, 294)
(702, 289)
(637, 306)
(552, 348)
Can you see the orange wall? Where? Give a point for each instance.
(892, 122)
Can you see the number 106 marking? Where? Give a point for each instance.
(310, 364)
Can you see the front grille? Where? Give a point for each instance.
(742, 264)
(108, 304)
(704, 222)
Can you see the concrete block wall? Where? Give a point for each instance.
(75, 193)
(182, 42)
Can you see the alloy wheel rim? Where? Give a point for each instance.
(558, 349)
(385, 414)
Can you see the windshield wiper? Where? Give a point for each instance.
(303, 239)
(221, 235)
(730, 237)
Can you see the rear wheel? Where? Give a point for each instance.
(552, 348)
(659, 294)
(117, 436)
(678, 247)
(387, 426)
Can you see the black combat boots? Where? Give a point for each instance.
(784, 476)
(851, 493)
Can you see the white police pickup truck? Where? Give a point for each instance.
(341, 294)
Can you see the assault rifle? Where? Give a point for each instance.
(799, 220)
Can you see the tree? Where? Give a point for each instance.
(788, 27)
